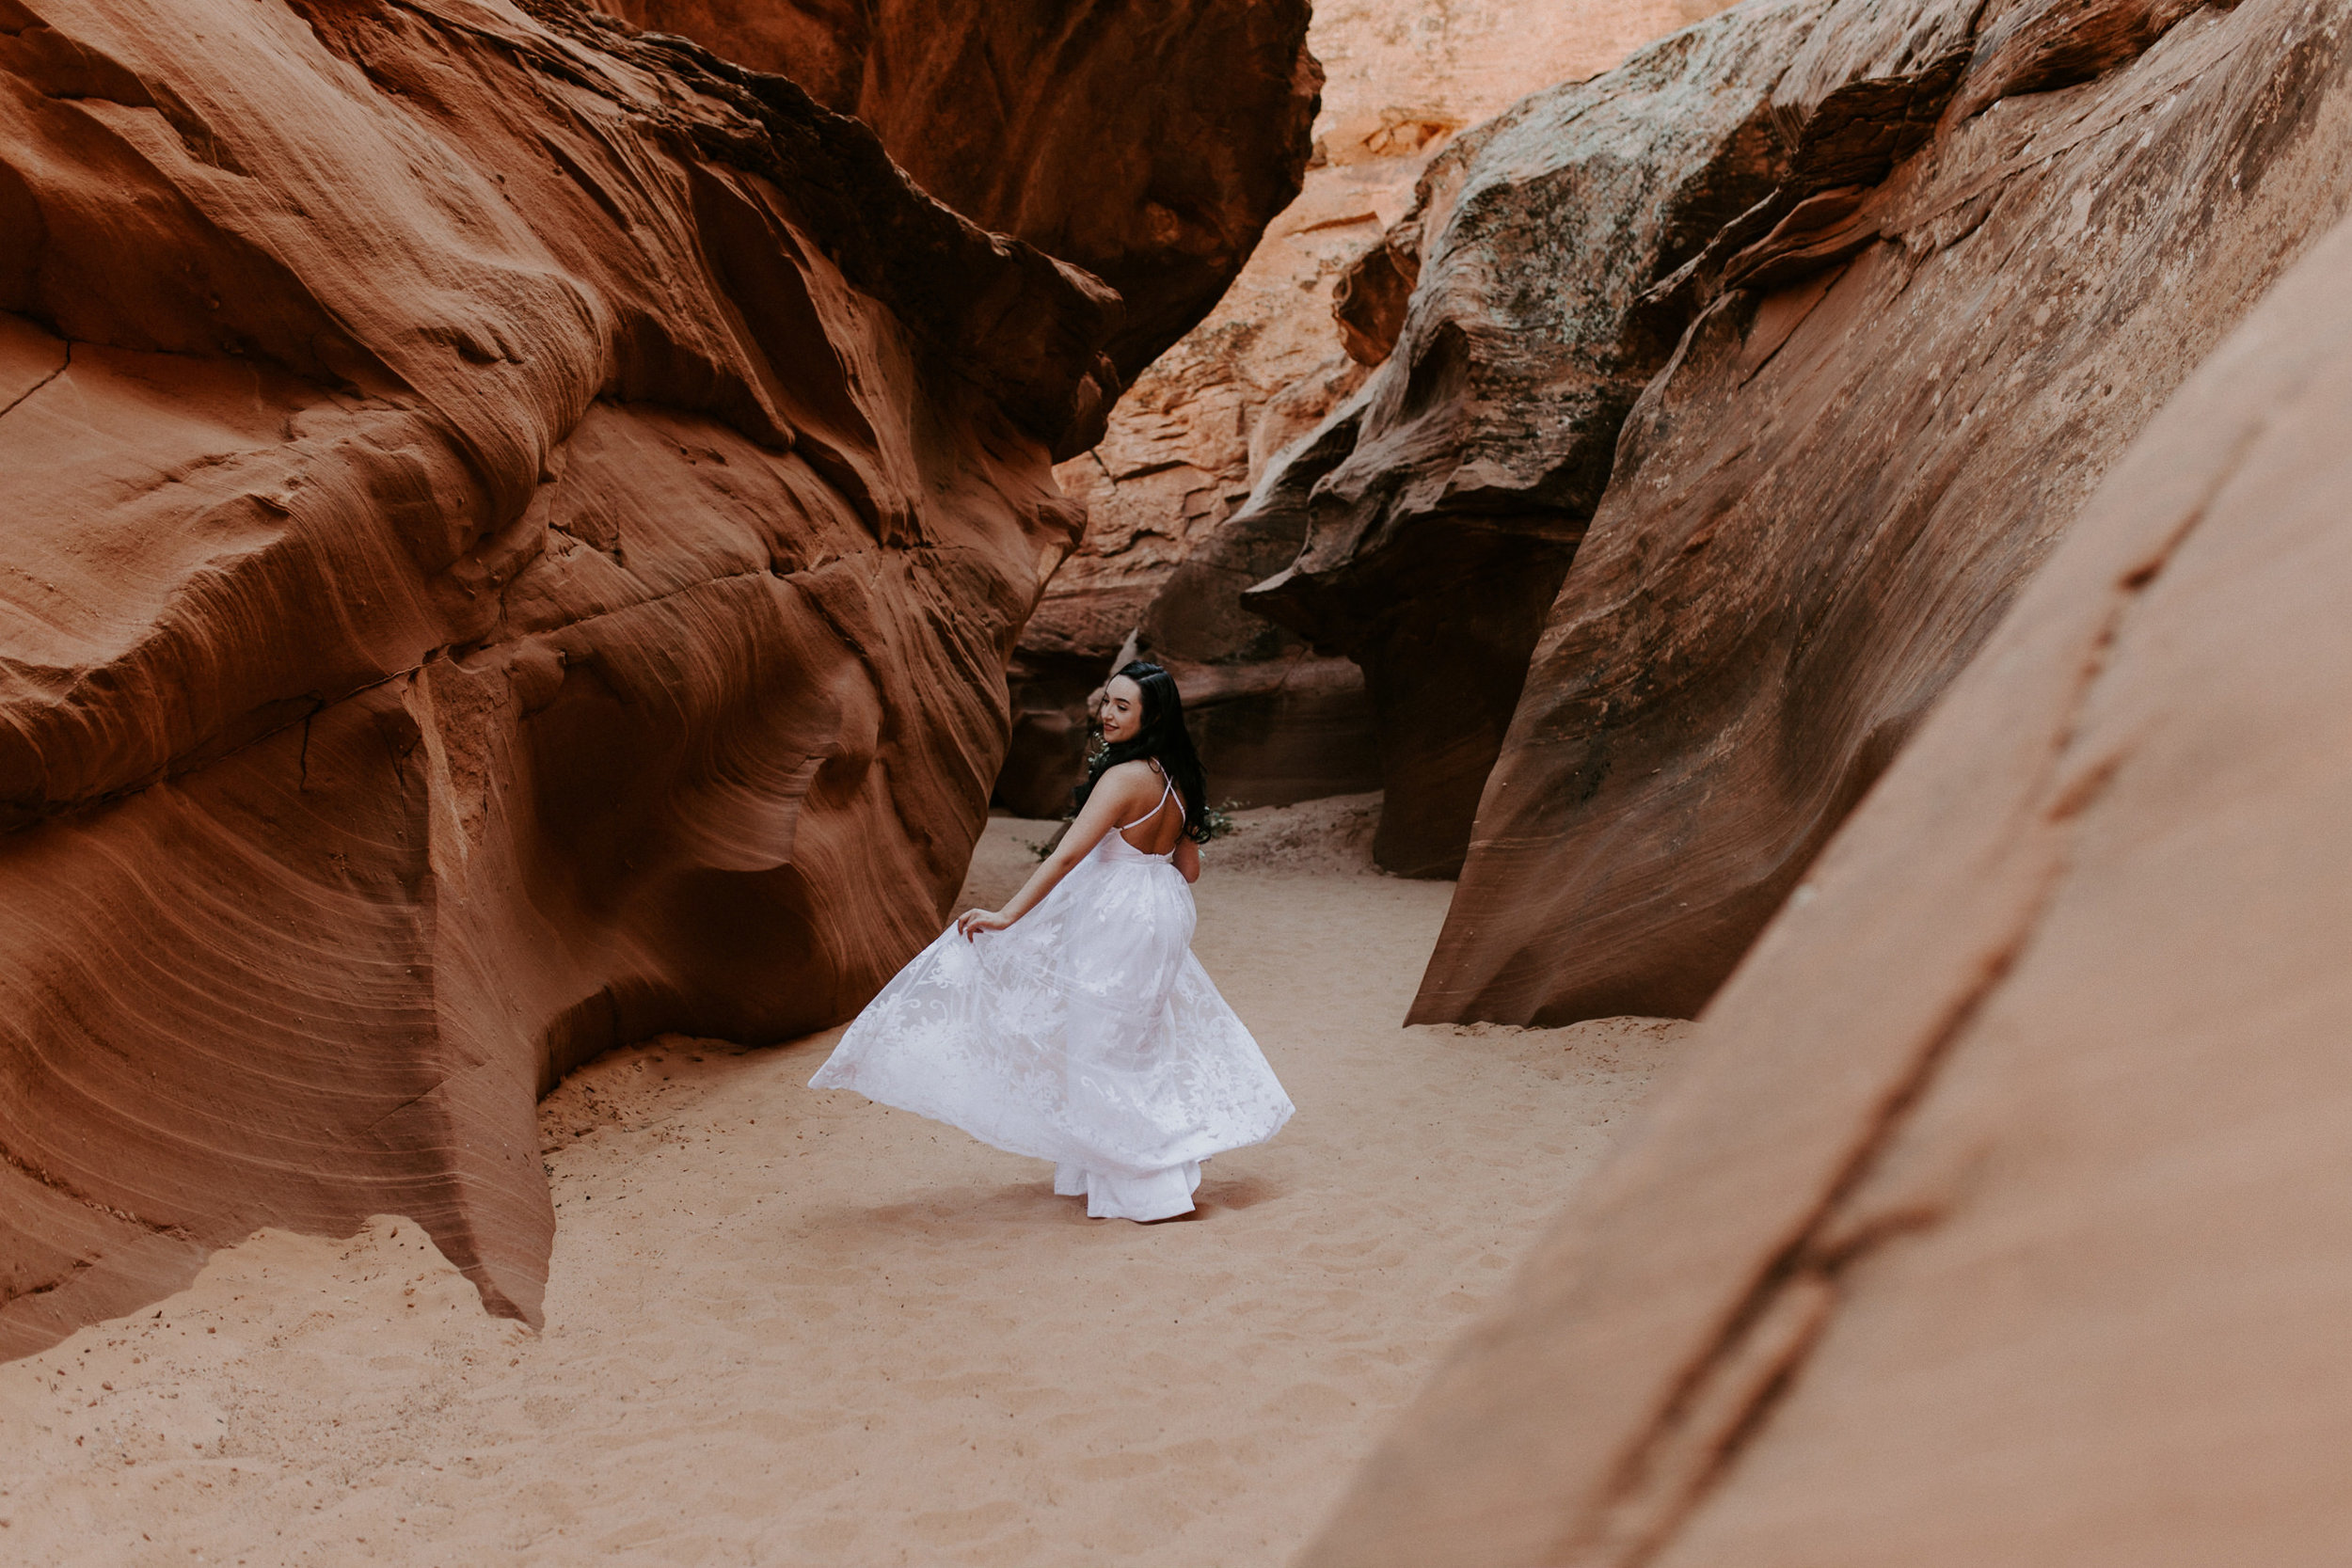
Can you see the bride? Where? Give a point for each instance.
(1075, 1024)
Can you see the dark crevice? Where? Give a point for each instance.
(64, 365)
(66, 1189)
(436, 1086)
(303, 764)
(74, 1271)
(1724, 1398)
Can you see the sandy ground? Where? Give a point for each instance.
(793, 1328)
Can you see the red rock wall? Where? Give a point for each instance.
(1437, 508)
(1800, 335)
(1144, 140)
(1894, 396)
(1160, 571)
(509, 539)
(1996, 1215)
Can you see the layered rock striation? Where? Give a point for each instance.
(1160, 570)
(1899, 384)
(1995, 1216)
(1438, 507)
(1147, 142)
(1801, 335)
(510, 532)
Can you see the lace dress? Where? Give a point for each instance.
(1085, 1033)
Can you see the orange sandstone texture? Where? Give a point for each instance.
(1894, 396)
(1996, 1214)
(1432, 514)
(509, 536)
(1147, 141)
(1803, 336)
(1277, 720)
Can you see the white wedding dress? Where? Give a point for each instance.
(1085, 1033)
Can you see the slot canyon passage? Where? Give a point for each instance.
(1765, 587)
(752, 1323)
(785, 1328)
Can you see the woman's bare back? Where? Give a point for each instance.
(1156, 831)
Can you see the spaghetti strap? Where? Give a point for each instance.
(1155, 807)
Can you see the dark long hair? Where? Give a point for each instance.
(1162, 738)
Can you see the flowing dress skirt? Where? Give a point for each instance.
(1086, 1032)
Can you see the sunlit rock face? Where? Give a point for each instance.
(1894, 399)
(1803, 336)
(1995, 1216)
(510, 533)
(1437, 508)
(1277, 720)
(1146, 142)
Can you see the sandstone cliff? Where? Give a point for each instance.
(509, 536)
(1802, 335)
(1277, 723)
(1996, 1216)
(1872, 437)
(1147, 141)
(1439, 506)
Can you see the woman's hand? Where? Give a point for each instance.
(972, 921)
(1132, 787)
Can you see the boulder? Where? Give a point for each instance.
(1149, 144)
(1995, 1215)
(1900, 383)
(510, 532)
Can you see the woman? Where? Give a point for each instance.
(1075, 1024)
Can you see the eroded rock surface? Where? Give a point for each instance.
(509, 536)
(1901, 383)
(1144, 140)
(1438, 508)
(1277, 721)
(1995, 1216)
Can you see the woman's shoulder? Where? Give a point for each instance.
(1127, 776)
(1132, 787)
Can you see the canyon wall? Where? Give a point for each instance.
(1437, 509)
(1996, 1214)
(1277, 720)
(1147, 141)
(510, 533)
(1737, 392)
(1893, 400)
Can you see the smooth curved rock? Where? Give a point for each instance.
(1996, 1214)
(1145, 141)
(509, 537)
(1894, 399)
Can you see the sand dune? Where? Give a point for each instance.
(787, 1328)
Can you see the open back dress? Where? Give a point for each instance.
(1085, 1033)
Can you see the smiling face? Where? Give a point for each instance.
(1122, 710)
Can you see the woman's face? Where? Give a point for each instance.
(1122, 710)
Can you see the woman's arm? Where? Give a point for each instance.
(1115, 796)
(1188, 859)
